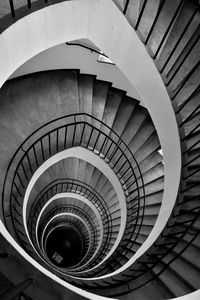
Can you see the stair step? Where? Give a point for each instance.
(145, 229)
(88, 173)
(101, 182)
(161, 25)
(125, 109)
(133, 11)
(184, 67)
(110, 195)
(154, 186)
(192, 175)
(191, 254)
(194, 191)
(146, 291)
(185, 82)
(133, 124)
(81, 170)
(149, 220)
(151, 210)
(151, 145)
(164, 290)
(194, 157)
(153, 173)
(190, 203)
(174, 282)
(114, 97)
(154, 199)
(141, 136)
(186, 270)
(150, 161)
(100, 92)
(113, 101)
(148, 17)
(85, 83)
(195, 243)
(183, 27)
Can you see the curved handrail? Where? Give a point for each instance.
(168, 238)
(77, 226)
(112, 148)
(78, 212)
(76, 186)
(64, 182)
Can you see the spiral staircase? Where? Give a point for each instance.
(82, 175)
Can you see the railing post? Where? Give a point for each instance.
(16, 290)
(29, 3)
(12, 9)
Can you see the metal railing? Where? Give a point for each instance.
(29, 5)
(95, 233)
(78, 187)
(77, 225)
(176, 228)
(66, 132)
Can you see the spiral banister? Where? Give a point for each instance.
(45, 142)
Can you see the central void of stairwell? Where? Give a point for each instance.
(81, 199)
(64, 247)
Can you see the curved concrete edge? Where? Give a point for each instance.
(44, 258)
(101, 22)
(77, 197)
(57, 226)
(44, 248)
(73, 57)
(57, 216)
(96, 161)
(60, 269)
(192, 296)
(35, 264)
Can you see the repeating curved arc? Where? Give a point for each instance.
(97, 162)
(65, 214)
(57, 226)
(111, 55)
(72, 191)
(60, 215)
(80, 198)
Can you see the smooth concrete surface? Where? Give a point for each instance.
(75, 57)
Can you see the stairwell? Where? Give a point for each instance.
(169, 268)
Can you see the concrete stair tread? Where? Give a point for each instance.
(141, 136)
(133, 124)
(181, 22)
(124, 112)
(148, 147)
(189, 272)
(100, 92)
(112, 104)
(85, 83)
(175, 283)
